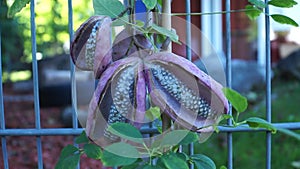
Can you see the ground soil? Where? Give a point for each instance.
(22, 152)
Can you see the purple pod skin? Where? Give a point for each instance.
(91, 47)
(180, 89)
(119, 97)
(189, 96)
(124, 45)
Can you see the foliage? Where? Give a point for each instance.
(10, 31)
(250, 147)
(125, 155)
(52, 32)
(255, 8)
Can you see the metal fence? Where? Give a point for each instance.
(38, 132)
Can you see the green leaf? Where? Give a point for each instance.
(70, 162)
(69, 158)
(238, 101)
(223, 167)
(258, 3)
(140, 23)
(203, 162)
(283, 3)
(226, 116)
(82, 138)
(159, 2)
(111, 8)
(151, 167)
(92, 151)
(171, 161)
(289, 133)
(16, 7)
(284, 19)
(153, 113)
(150, 4)
(176, 137)
(126, 131)
(252, 12)
(119, 154)
(171, 34)
(133, 165)
(68, 151)
(255, 122)
(182, 156)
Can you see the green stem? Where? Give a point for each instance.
(235, 122)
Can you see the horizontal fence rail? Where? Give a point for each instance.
(77, 131)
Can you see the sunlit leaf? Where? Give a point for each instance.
(203, 162)
(140, 23)
(150, 4)
(252, 12)
(92, 151)
(238, 101)
(223, 167)
(226, 116)
(16, 7)
(258, 3)
(119, 154)
(82, 138)
(255, 122)
(284, 19)
(111, 8)
(153, 113)
(126, 131)
(159, 2)
(283, 3)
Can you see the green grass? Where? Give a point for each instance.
(249, 148)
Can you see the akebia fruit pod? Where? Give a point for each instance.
(91, 47)
(190, 97)
(193, 99)
(120, 96)
(126, 43)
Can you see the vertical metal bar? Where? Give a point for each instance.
(268, 86)
(2, 118)
(188, 30)
(228, 81)
(73, 77)
(72, 72)
(189, 53)
(35, 83)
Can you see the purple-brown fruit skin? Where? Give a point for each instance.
(208, 89)
(102, 54)
(124, 46)
(202, 85)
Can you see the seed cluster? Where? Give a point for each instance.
(122, 100)
(91, 45)
(181, 92)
